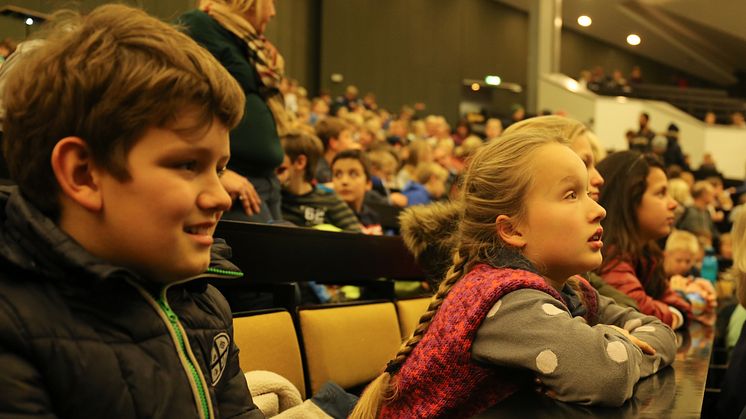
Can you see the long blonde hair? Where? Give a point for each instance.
(567, 128)
(496, 181)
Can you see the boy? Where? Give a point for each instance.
(680, 253)
(679, 257)
(303, 204)
(351, 178)
(116, 132)
(335, 135)
(429, 184)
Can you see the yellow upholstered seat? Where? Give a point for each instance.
(348, 344)
(268, 342)
(410, 311)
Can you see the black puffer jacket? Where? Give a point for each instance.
(80, 338)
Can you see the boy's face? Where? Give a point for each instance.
(160, 222)
(350, 182)
(678, 262)
(436, 187)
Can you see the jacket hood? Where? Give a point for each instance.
(31, 241)
(430, 234)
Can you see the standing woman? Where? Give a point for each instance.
(232, 30)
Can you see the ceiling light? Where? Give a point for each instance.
(493, 80)
(584, 21)
(29, 21)
(475, 87)
(633, 39)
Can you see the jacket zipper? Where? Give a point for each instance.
(176, 326)
(171, 320)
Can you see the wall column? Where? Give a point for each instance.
(545, 28)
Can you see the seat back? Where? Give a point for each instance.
(267, 341)
(409, 311)
(348, 344)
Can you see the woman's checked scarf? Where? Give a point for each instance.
(265, 58)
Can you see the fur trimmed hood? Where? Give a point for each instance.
(430, 234)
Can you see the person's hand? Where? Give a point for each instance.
(541, 388)
(398, 199)
(644, 346)
(238, 187)
(707, 319)
(679, 283)
(706, 290)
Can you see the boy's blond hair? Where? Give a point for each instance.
(701, 187)
(680, 240)
(107, 77)
(299, 143)
(425, 171)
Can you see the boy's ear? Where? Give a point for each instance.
(508, 232)
(78, 178)
(368, 185)
(333, 143)
(300, 162)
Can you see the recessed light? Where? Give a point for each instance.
(29, 21)
(633, 39)
(584, 21)
(493, 80)
(475, 87)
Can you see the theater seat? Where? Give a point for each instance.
(410, 311)
(348, 344)
(267, 341)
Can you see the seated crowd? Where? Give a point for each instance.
(547, 253)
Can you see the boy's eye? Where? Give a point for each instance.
(221, 170)
(571, 195)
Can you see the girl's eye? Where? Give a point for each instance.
(571, 195)
(221, 171)
(190, 166)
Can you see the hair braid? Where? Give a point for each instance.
(455, 273)
(383, 389)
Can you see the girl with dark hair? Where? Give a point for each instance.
(639, 212)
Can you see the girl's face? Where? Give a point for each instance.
(562, 229)
(655, 215)
(582, 147)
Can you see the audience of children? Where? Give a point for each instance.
(525, 225)
(639, 212)
(303, 203)
(116, 132)
(351, 156)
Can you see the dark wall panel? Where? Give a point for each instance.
(294, 30)
(420, 50)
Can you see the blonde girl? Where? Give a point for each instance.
(505, 314)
